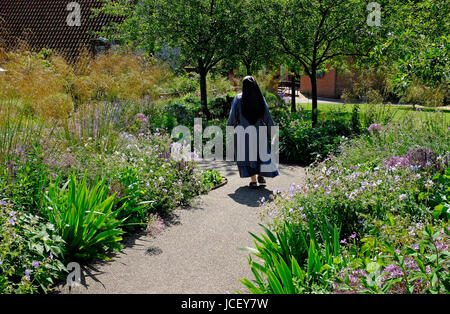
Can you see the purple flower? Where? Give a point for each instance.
(51, 256)
(353, 236)
(142, 118)
(343, 241)
(421, 156)
(403, 197)
(395, 161)
(35, 264)
(3, 203)
(375, 128)
(28, 272)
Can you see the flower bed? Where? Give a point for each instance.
(384, 204)
(110, 175)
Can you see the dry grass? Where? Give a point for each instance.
(48, 87)
(35, 84)
(117, 76)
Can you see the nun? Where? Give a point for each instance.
(250, 116)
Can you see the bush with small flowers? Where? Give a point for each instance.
(31, 252)
(387, 192)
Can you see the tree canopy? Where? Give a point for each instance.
(305, 35)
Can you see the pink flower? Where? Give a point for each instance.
(375, 128)
(142, 118)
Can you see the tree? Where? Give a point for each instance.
(206, 31)
(135, 25)
(255, 42)
(314, 33)
(416, 40)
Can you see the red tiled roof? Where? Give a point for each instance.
(43, 24)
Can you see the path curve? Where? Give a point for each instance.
(199, 253)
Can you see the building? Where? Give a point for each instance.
(330, 84)
(63, 26)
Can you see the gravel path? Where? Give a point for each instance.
(198, 253)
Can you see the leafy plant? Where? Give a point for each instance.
(294, 260)
(433, 264)
(31, 252)
(27, 180)
(442, 195)
(84, 217)
(212, 178)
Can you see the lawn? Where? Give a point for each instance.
(398, 111)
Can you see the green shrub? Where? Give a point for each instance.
(417, 93)
(294, 261)
(212, 178)
(142, 171)
(383, 190)
(31, 252)
(25, 179)
(301, 143)
(440, 197)
(84, 217)
(398, 256)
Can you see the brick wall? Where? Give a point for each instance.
(326, 86)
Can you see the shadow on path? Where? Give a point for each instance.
(250, 197)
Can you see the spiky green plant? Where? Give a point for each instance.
(84, 217)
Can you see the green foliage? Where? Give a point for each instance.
(304, 144)
(355, 123)
(84, 217)
(212, 178)
(25, 180)
(312, 34)
(441, 197)
(294, 260)
(432, 261)
(394, 259)
(416, 39)
(417, 93)
(31, 252)
(392, 210)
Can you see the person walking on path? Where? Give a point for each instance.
(249, 108)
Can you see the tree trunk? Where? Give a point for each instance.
(248, 68)
(313, 78)
(204, 91)
(293, 94)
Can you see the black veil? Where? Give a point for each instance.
(253, 105)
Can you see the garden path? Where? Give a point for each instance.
(198, 253)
